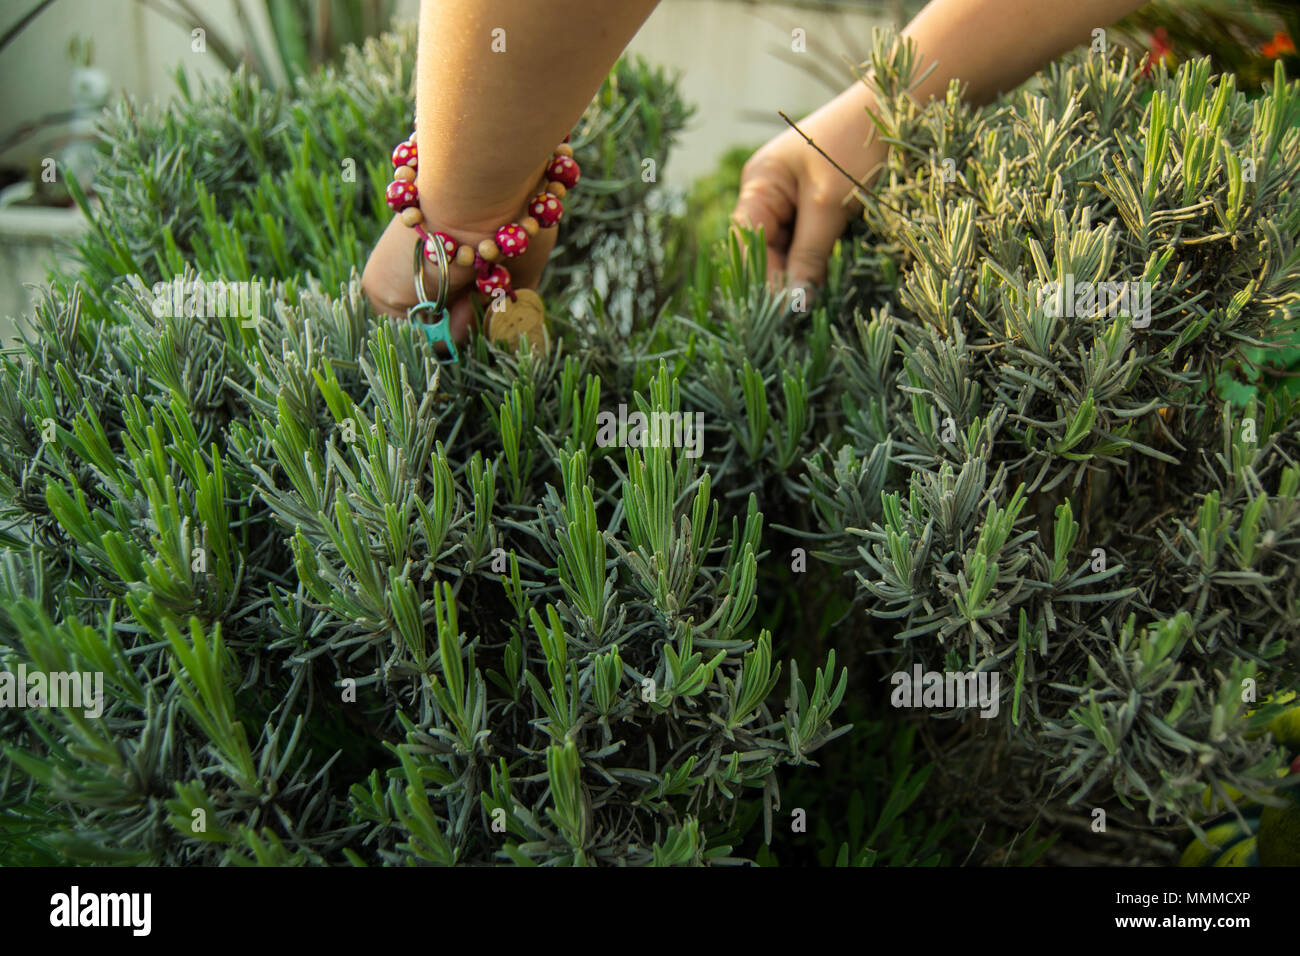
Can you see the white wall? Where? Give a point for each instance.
(135, 46)
(729, 55)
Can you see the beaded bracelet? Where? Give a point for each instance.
(524, 313)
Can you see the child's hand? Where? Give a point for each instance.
(389, 277)
(796, 196)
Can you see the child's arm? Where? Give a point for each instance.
(488, 120)
(991, 45)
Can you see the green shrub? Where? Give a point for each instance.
(350, 604)
(1069, 501)
(424, 594)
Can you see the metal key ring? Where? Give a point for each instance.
(444, 282)
(439, 331)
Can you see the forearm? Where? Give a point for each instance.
(489, 120)
(990, 45)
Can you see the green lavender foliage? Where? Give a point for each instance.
(557, 641)
(352, 606)
(1068, 501)
(430, 601)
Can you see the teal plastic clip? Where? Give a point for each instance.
(438, 330)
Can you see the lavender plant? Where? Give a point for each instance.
(1056, 491)
(351, 605)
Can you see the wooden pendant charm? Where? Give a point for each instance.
(524, 316)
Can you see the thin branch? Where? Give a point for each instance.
(861, 193)
(795, 126)
(21, 25)
(225, 53)
(16, 136)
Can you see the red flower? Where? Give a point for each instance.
(1160, 48)
(1280, 44)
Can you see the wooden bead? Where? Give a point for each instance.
(404, 173)
(531, 225)
(489, 251)
(564, 149)
(556, 189)
(412, 217)
(465, 256)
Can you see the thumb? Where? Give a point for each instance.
(817, 225)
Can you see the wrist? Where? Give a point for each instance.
(482, 239)
(475, 214)
(475, 236)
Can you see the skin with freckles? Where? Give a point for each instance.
(490, 117)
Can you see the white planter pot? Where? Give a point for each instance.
(31, 240)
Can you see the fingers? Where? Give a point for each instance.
(817, 225)
(387, 278)
(762, 204)
(756, 208)
(800, 216)
(461, 311)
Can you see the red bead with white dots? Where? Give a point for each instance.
(405, 154)
(512, 240)
(492, 280)
(546, 209)
(563, 170)
(449, 245)
(400, 195)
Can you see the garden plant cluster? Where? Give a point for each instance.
(351, 605)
